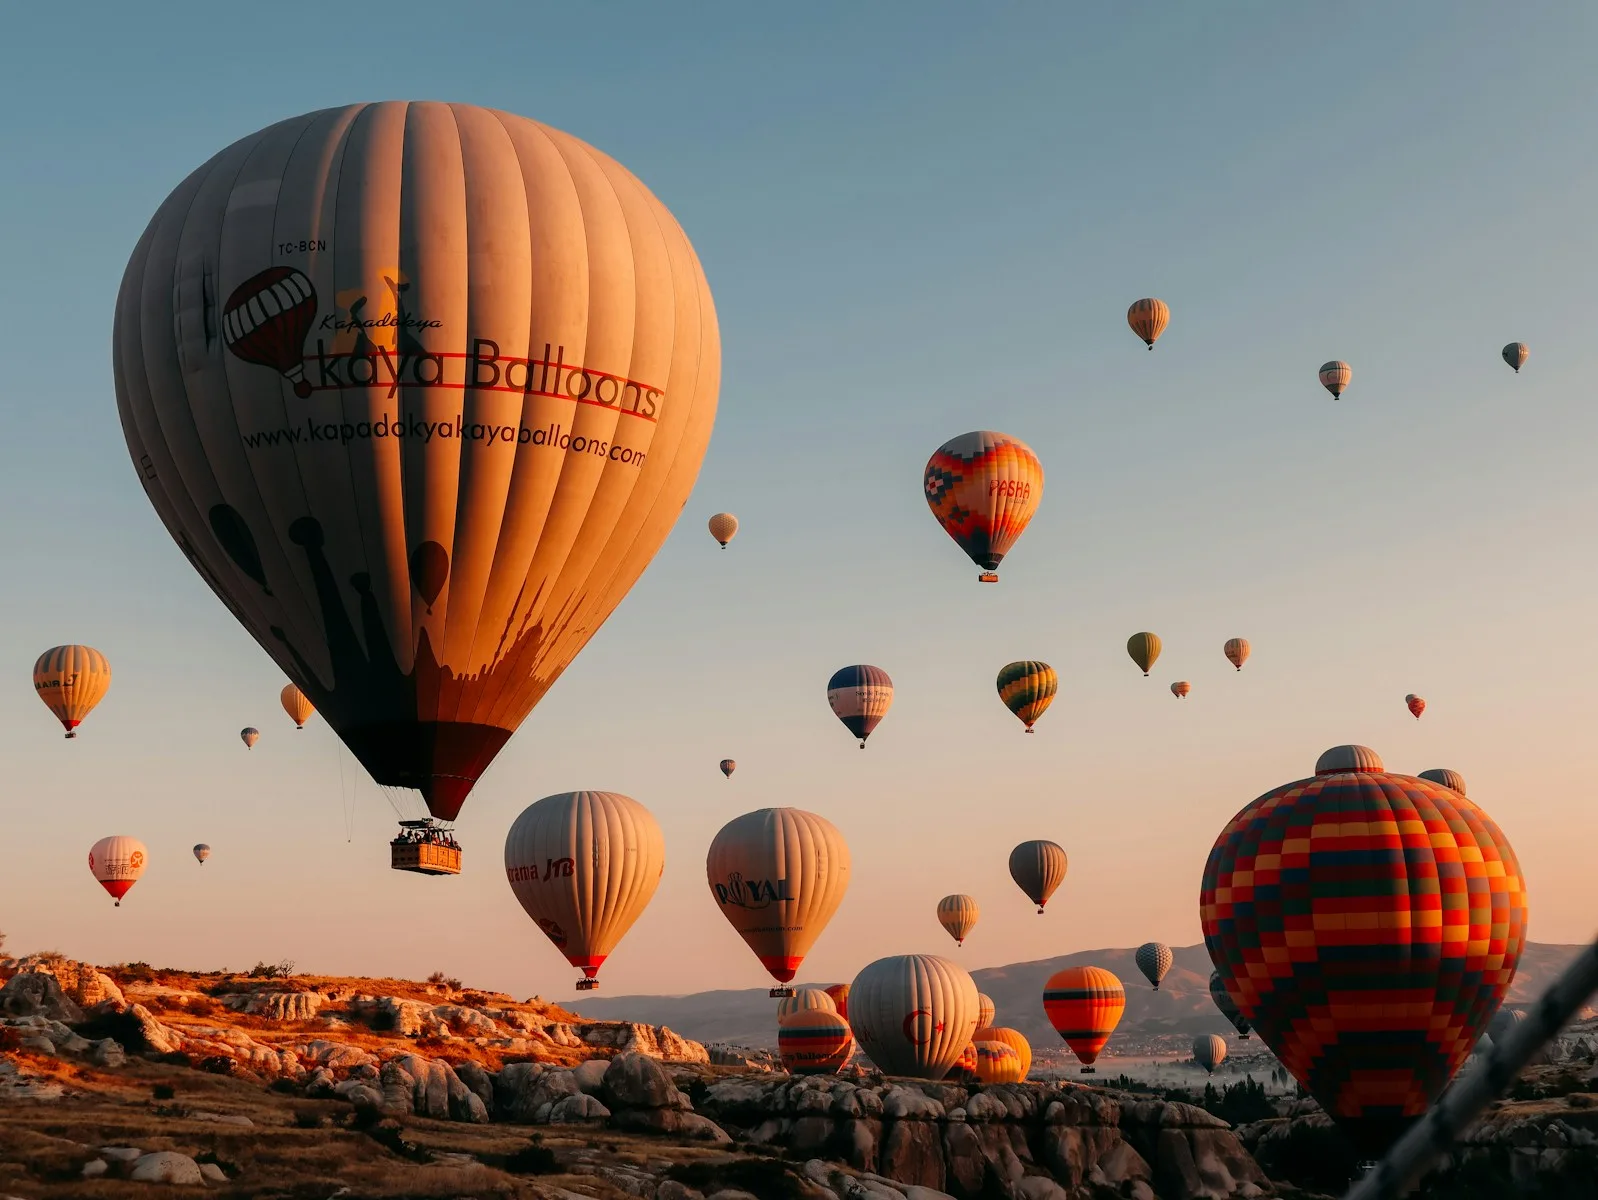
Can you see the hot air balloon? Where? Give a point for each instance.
(1368, 925)
(840, 998)
(299, 709)
(1010, 1037)
(1504, 1022)
(1223, 1001)
(816, 1041)
(1335, 376)
(1144, 649)
(1237, 651)
(778, 875)
(1181, 688)
(804, 1000)
(965, 1067)
(117, 862)
(1084, 1004)
(1415, 704)
(202, 852)
(1209, 1051)
(1038, 868)
(249, 735)
(958, 914)
(860, 697)
(1148, 319)
(584, 866)
(983, 488)
(724, 527)
(985, 1010)
(1154, 960)
(1452, 780)
(419, 389)
(728, 766)
(1516, 354)
(1027, 689)
(997, 1062)
(913, 1014)
(71, 680)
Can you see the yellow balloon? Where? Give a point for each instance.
(299, 709)
(71, 680)
(1148, 319)
(1144, 649)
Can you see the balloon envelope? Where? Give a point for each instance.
(1084, 1004)
(1209, 1051)
(983, 488)
(804, 1000)
(1148, 318)
(118, 862)
(1010, 1037)
(1415, 705)
(728, 766)
(419, 389)
(1181, 688)
(860, 697)
(584, 866)
(1335, 376)
(816, 1041)
(1452, 780)
(1228, 1007)
(997, 1062)
(249, 735)
(1144, 649)
(1237, 651)
(295, 703)
(778, 875)
(1516, 354)
(1027, 689)
(1373, 1016)
(71, 680)
(958, 915)
(840, 998)
(985, 1010)
(1154, 960)
(202, 852)
(913, 1014)
(723, 527)
(1038, 868)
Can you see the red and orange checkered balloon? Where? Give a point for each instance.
(1367, 925)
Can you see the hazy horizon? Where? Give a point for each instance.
(915, 223)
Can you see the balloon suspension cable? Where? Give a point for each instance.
(1457, 1107)
(345, 804)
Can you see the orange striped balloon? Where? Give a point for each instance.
(965, 1066)
(816, 1041)
(1084, 1004)
(1012, 1038)
(1148, 318)
(840, 998)
(997, 1062)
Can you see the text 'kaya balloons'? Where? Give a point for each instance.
(584, 866)
(117, 862)
(1027, 688)
(983, 488)
(778, 875)
(419, 389)
(913, 1014)
(71, 680)
(1368, 925)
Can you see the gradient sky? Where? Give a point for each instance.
(917, 219)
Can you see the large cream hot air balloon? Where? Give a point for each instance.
(913, 1014)
(71, 680)
(584, 865)
(299, 709)
(958, 914)
(724, 527)
(419, 389)
(1038, 868)
(118, 862)
(778, 875)
(1148, 318)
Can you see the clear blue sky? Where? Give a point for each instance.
(917, 219)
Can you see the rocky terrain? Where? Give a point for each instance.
(115, 1080)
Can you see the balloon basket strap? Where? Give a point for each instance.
(781, 992)
(587, 985)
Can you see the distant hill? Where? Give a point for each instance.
(1182, 1005)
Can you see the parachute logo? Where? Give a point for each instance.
(757, 893)
(266, 319)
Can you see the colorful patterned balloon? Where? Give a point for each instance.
(1010, 1037)
(1027, 689)
(1084, 1004)
(1368, 925)
(860, 697)
(997, 1062)
(816, 1041)
(983, 488)
(1228, 1010)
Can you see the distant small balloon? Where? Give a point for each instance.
(958, 915)
(724, 527)
(1181, 688)
(117, 862)
(1452, 780)
(1416, 704)
(1209, 1051)
(1154, 960)
(1038, 868)
(249, 735)
(1144, 649)
(860, 697)
(202, 852)
(1335, 376)
(1237, 651)
(1148, 318)
(728, 766)
(299, 709)
(1027, 689)
(1516, 354)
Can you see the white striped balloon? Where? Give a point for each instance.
(913, 1014)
